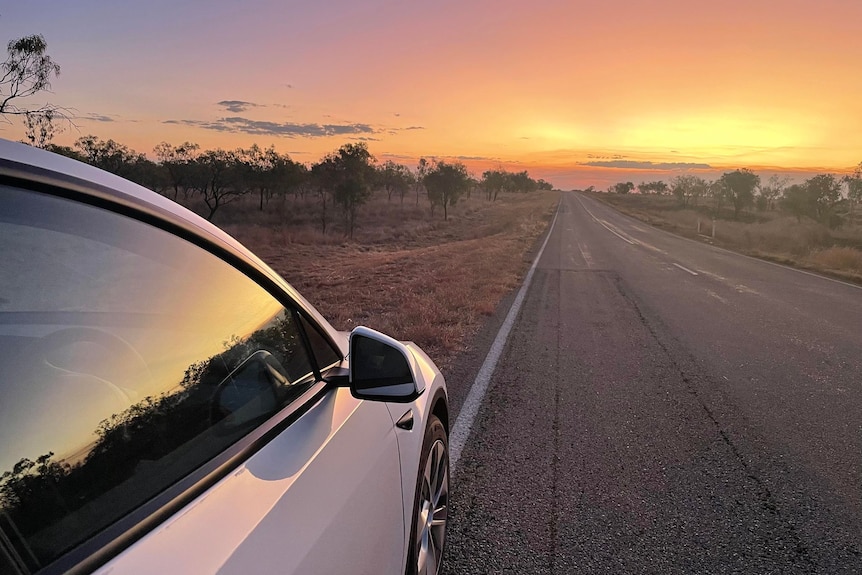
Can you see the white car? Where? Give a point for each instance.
(168, 404)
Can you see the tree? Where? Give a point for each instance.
(212, 176)
(493, 182)
(176, 161)
(688, 187)
(854, 189)
(266, 171)
(738, 186)
(521, 182)
(354, 173)
(28, 70)
(773, 190)
(715, 190)
(543, 185)
(446, 183)
(658, 187)
(40, 128)
(394, 178)
(623, 187)
(824, 193)
(111, 156)
(323, 178)
(796, 201)
(421, 170)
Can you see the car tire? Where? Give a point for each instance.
(431, 503)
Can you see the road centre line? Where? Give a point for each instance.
(585, 253)
(464, 423)
(731, 252)
(603, 223)
(685, 269)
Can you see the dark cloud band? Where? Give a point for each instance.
(238, 124)
(635, 165)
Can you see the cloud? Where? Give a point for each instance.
(238, 124)
(237, 106)
(599, 157)
(98, 118)
(471, 158)
(414, 128)
(635, 165)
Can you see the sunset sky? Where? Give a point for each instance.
(580, 93)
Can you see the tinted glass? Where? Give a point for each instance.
(323, 352)
(377, 364)
(128, 358)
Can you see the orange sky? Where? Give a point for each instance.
(663, 85)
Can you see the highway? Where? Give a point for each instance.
(664, 406)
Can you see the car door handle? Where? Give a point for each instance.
(406, 421)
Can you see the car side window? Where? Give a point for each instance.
(129, 358)
(323, 352)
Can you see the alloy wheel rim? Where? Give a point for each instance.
(433, 510)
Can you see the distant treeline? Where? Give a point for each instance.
(342, 180)
(826, 198)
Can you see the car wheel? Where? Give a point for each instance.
(431, 510)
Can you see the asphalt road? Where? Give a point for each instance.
(663, 406)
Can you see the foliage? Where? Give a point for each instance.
(773, 190)
(353, 173)
(324, 177)
(658, 187)
(214, 176)
(177, 162)
(394, 178)
(345, 178)
(446, 183)
(28, 70)
(623, 187)
(738, 187)
(496, 181)
(688, 188)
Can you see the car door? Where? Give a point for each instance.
(322, 497)
(162, 409)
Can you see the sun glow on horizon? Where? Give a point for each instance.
(548, 86)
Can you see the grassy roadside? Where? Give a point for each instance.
(772, 236)
(406, 274)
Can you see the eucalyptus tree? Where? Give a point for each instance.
(446, 183)
(738, 187)
(28, 70)
(176, 161)
(354, 175)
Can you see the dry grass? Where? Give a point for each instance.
(411, 276)
(846, 260)
(771, 235)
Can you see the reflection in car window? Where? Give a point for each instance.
(322, 350)
(129, 358)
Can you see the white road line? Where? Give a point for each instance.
(467, 415)
(620, 236)
(685, 269)
(585, 253)
(716, 296)
(727, 251)
(603, 223)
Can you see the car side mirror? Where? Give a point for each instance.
(381, 368)
(248, 395)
